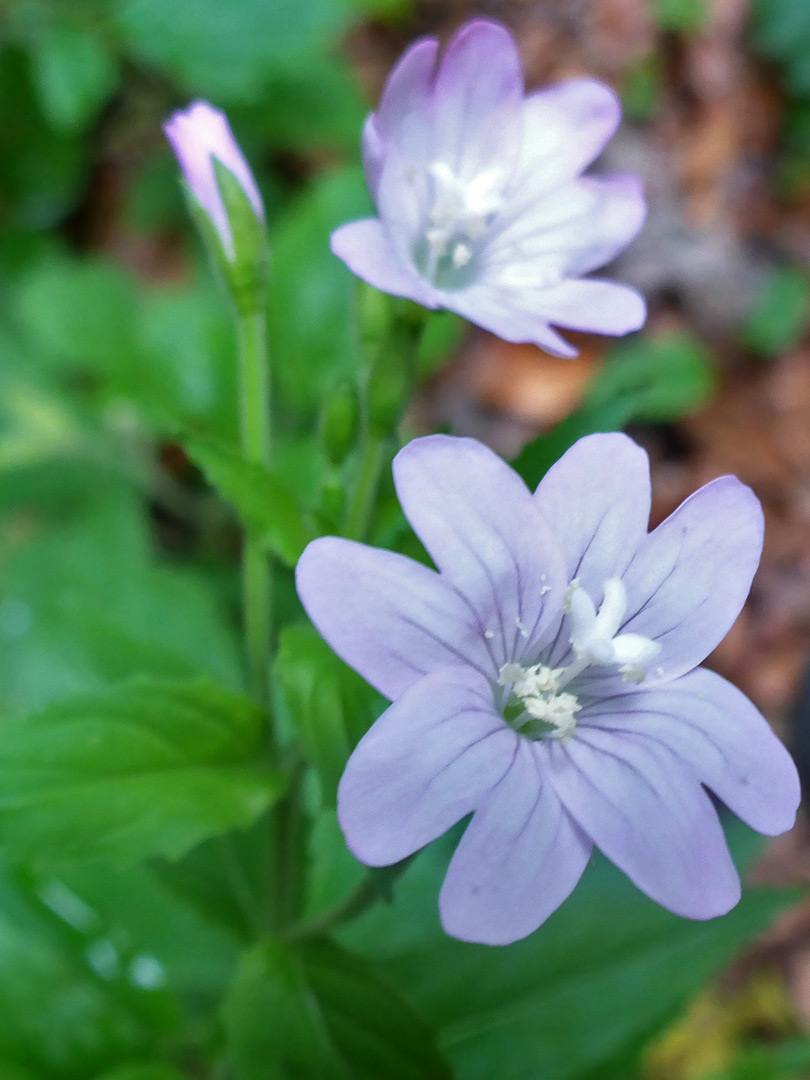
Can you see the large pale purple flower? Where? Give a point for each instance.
(482, 209)
(545, 680)
(200, 135)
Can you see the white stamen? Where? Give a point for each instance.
(560, 711)
(489, 634)
(632, 673)
(569, 592)
(536, 687)
(461, 213)
(510, 674)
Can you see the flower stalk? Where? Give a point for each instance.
(255, 431)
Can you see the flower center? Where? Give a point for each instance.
(537, 704)
(459, 216)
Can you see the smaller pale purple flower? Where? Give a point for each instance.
(482, 209)
(199, 135)
(545, 680)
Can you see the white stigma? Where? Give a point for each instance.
(595, 636)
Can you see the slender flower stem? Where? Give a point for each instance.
(361, 504)
(257, 587)
(362, 897)
(255, 427)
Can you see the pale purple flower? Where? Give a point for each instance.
(482, 209)
(198, 136)
(546, 681)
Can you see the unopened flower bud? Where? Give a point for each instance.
(223, 198)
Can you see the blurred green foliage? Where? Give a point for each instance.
(780, 31)
(778, 318)
(682, 16)
(650, 380)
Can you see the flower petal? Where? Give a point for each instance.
(690, 577)
(598, 307)
(388, 617)
(373, 149)
(404, 109)
(575, 229)
(483, 530)
(403, 202)
(564, 129)
(365, 248)
(477, 101)
(719, 733)
(423, 766)
(596, 499)
(642, 807)
(519, 858)
(498, 310)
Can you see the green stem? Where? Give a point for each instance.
(361, 505)
(376, 886)
(362, 897)
(257, 585)
(255, 428)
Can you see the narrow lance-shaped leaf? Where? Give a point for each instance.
(263, 501)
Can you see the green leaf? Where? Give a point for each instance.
(654, 381)
(607, 970)
(316, 102)
(148, 769)
(319, 1012)
(333, 872)
(63, 1018)
(77, 314)
(782, 33)
(142, 1072)
(140, 915)
(13, 1072)
(196, 43)
(642, 88)
(682, 16)
(330, 705)
(264, 503)
(73, 71)
(778, 317)
(85, 604)
(186, 371)
(42, 171)
(649, 380)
